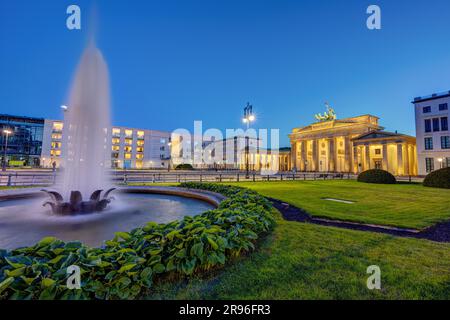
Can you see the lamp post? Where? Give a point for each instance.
(440, 162)
(247, 119)
(170, 156)
(6, 132)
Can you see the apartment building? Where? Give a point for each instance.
(131, 148)
(432, 131)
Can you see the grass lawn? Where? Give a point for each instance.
(402, 205)
(304, 261)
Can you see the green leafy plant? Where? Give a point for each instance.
(438, 179)
(376, 176)
(184, 166)
(127, 265)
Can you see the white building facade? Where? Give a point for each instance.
(432, 132)
(130, 148)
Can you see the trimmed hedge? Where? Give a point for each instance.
(184, 166)
(438, 179)
(376, 176)
(127, 265)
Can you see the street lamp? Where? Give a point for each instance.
(169, 144)
(247, 119)
(6, 132)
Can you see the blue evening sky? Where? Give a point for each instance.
(173, 62)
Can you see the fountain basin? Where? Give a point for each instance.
(23, 220)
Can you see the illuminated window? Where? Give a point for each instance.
(127, 155)
(140, 134)
(140, 143)
(116, 132)
(56, 136)
(139, 165)
(140, 156)
(56, 153)
(129, 141)
(128, 133)
(127, 148)
(57, 126)
(115, 148)
(116, 141)
(140, 149)
(56, 145)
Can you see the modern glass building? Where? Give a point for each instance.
(25, 141)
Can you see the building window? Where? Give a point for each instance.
(127, 156)
(427, 125)
(55, 153)
(444, 124)
(427, 109)
(56, 145)
(116, 141)
(377, 151)
(129, 141)
(428, 143)
(140, 156)
(56, 136)
(162, 148)
(140, 143)
(443, 106)
(140, 134)
(435, 124)
(139, 149)
(116, 132)
(447, 162)
(445, 142)
(128, 133)
(57, 126)
(429, 164)
(127, 148)
(162, 140)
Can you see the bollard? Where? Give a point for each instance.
(237, 178)
(220, 177)
(253, 177)
(9, 180)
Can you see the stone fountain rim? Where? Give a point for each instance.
(210, 197)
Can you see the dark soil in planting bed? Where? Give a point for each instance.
(439, 232)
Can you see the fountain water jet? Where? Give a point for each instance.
(86, 137)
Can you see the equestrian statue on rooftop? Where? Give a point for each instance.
(328, 115)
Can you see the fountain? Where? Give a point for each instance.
(28, 215)
(85, 138)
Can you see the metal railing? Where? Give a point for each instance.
(149, 177)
